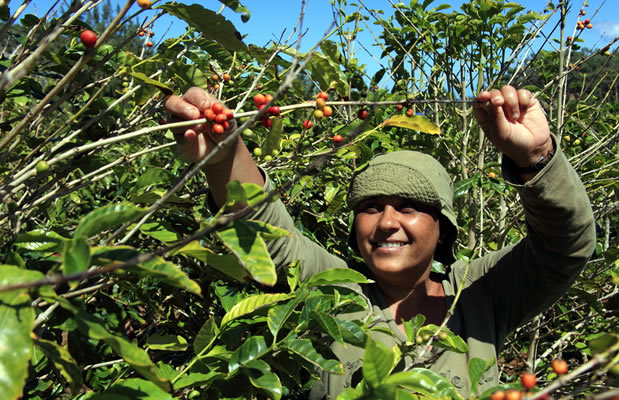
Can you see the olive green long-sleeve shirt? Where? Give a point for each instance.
(502, 290)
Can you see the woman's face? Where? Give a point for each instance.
(397, 237)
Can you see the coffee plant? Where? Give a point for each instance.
(119, 280)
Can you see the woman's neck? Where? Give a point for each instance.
(427, 297)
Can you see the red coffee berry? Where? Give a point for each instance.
(338, 139)
(513, 394)
(528, 380)
(229, 115)
(274, 110)
(559, 366)
(307, 124)
(327, 111)
(323, 95)
(267, 123)
(227, 77)
(209, 114)
(259, 100)
(221, 118)
(362, 114)
(267, 98)
(409, 112)
(399, 107)
(218, 129)
(217, 108)
(88, 38)
(498, 395)
(320, 102)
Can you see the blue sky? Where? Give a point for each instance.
(269, 19)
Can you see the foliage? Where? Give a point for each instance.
(115, 283)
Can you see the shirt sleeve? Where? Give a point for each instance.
(524, 279)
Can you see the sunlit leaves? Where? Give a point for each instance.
(416, 122)
(16, 322)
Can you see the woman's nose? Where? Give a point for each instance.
(389, 219)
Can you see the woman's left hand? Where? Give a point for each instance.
(514, 121)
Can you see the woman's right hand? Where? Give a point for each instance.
(197, 141)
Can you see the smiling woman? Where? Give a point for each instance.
(404, 220)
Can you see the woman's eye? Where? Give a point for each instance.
(370, 209)
(408, 208)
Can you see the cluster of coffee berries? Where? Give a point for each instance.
(322, 109)
(88, 38)
(528, 381)
(580, 25)
(145, 32)
(219, 116)
(409, 111)
(260, 100)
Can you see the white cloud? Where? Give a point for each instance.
(609, 29)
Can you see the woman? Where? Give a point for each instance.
(402, 203)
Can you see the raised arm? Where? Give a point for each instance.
(527, 278)
(236, 163)
(196, 142)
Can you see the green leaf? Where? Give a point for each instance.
(351, 332)
(267, 231)
(154, 176)
(251, 304)
(463, 186)
(477, 367)
(197, 379)
(210, 24)
(160, 230)
(190, 74)
(329, 324)
(16, 322)
(305, 349)
(206, 336)
(279, 314)
(415, 122)
(253, 348)
(227, 263)
(169, 273)
(335, 276)
(107, 217)
(41, 240)
(604, 343)
(144, 78)
(274, 137)
(247, 193)
(242, 239)
(292, 275)
(453, 342)
(133, 389)
(94, 329)
(238, 8)
(166, 342)
(425, 382)
(215, 51)
(327, 73)
(75, 256)
(261, 376)
(378, 362)
(63, 361)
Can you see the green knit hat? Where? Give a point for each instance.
(411, 175)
